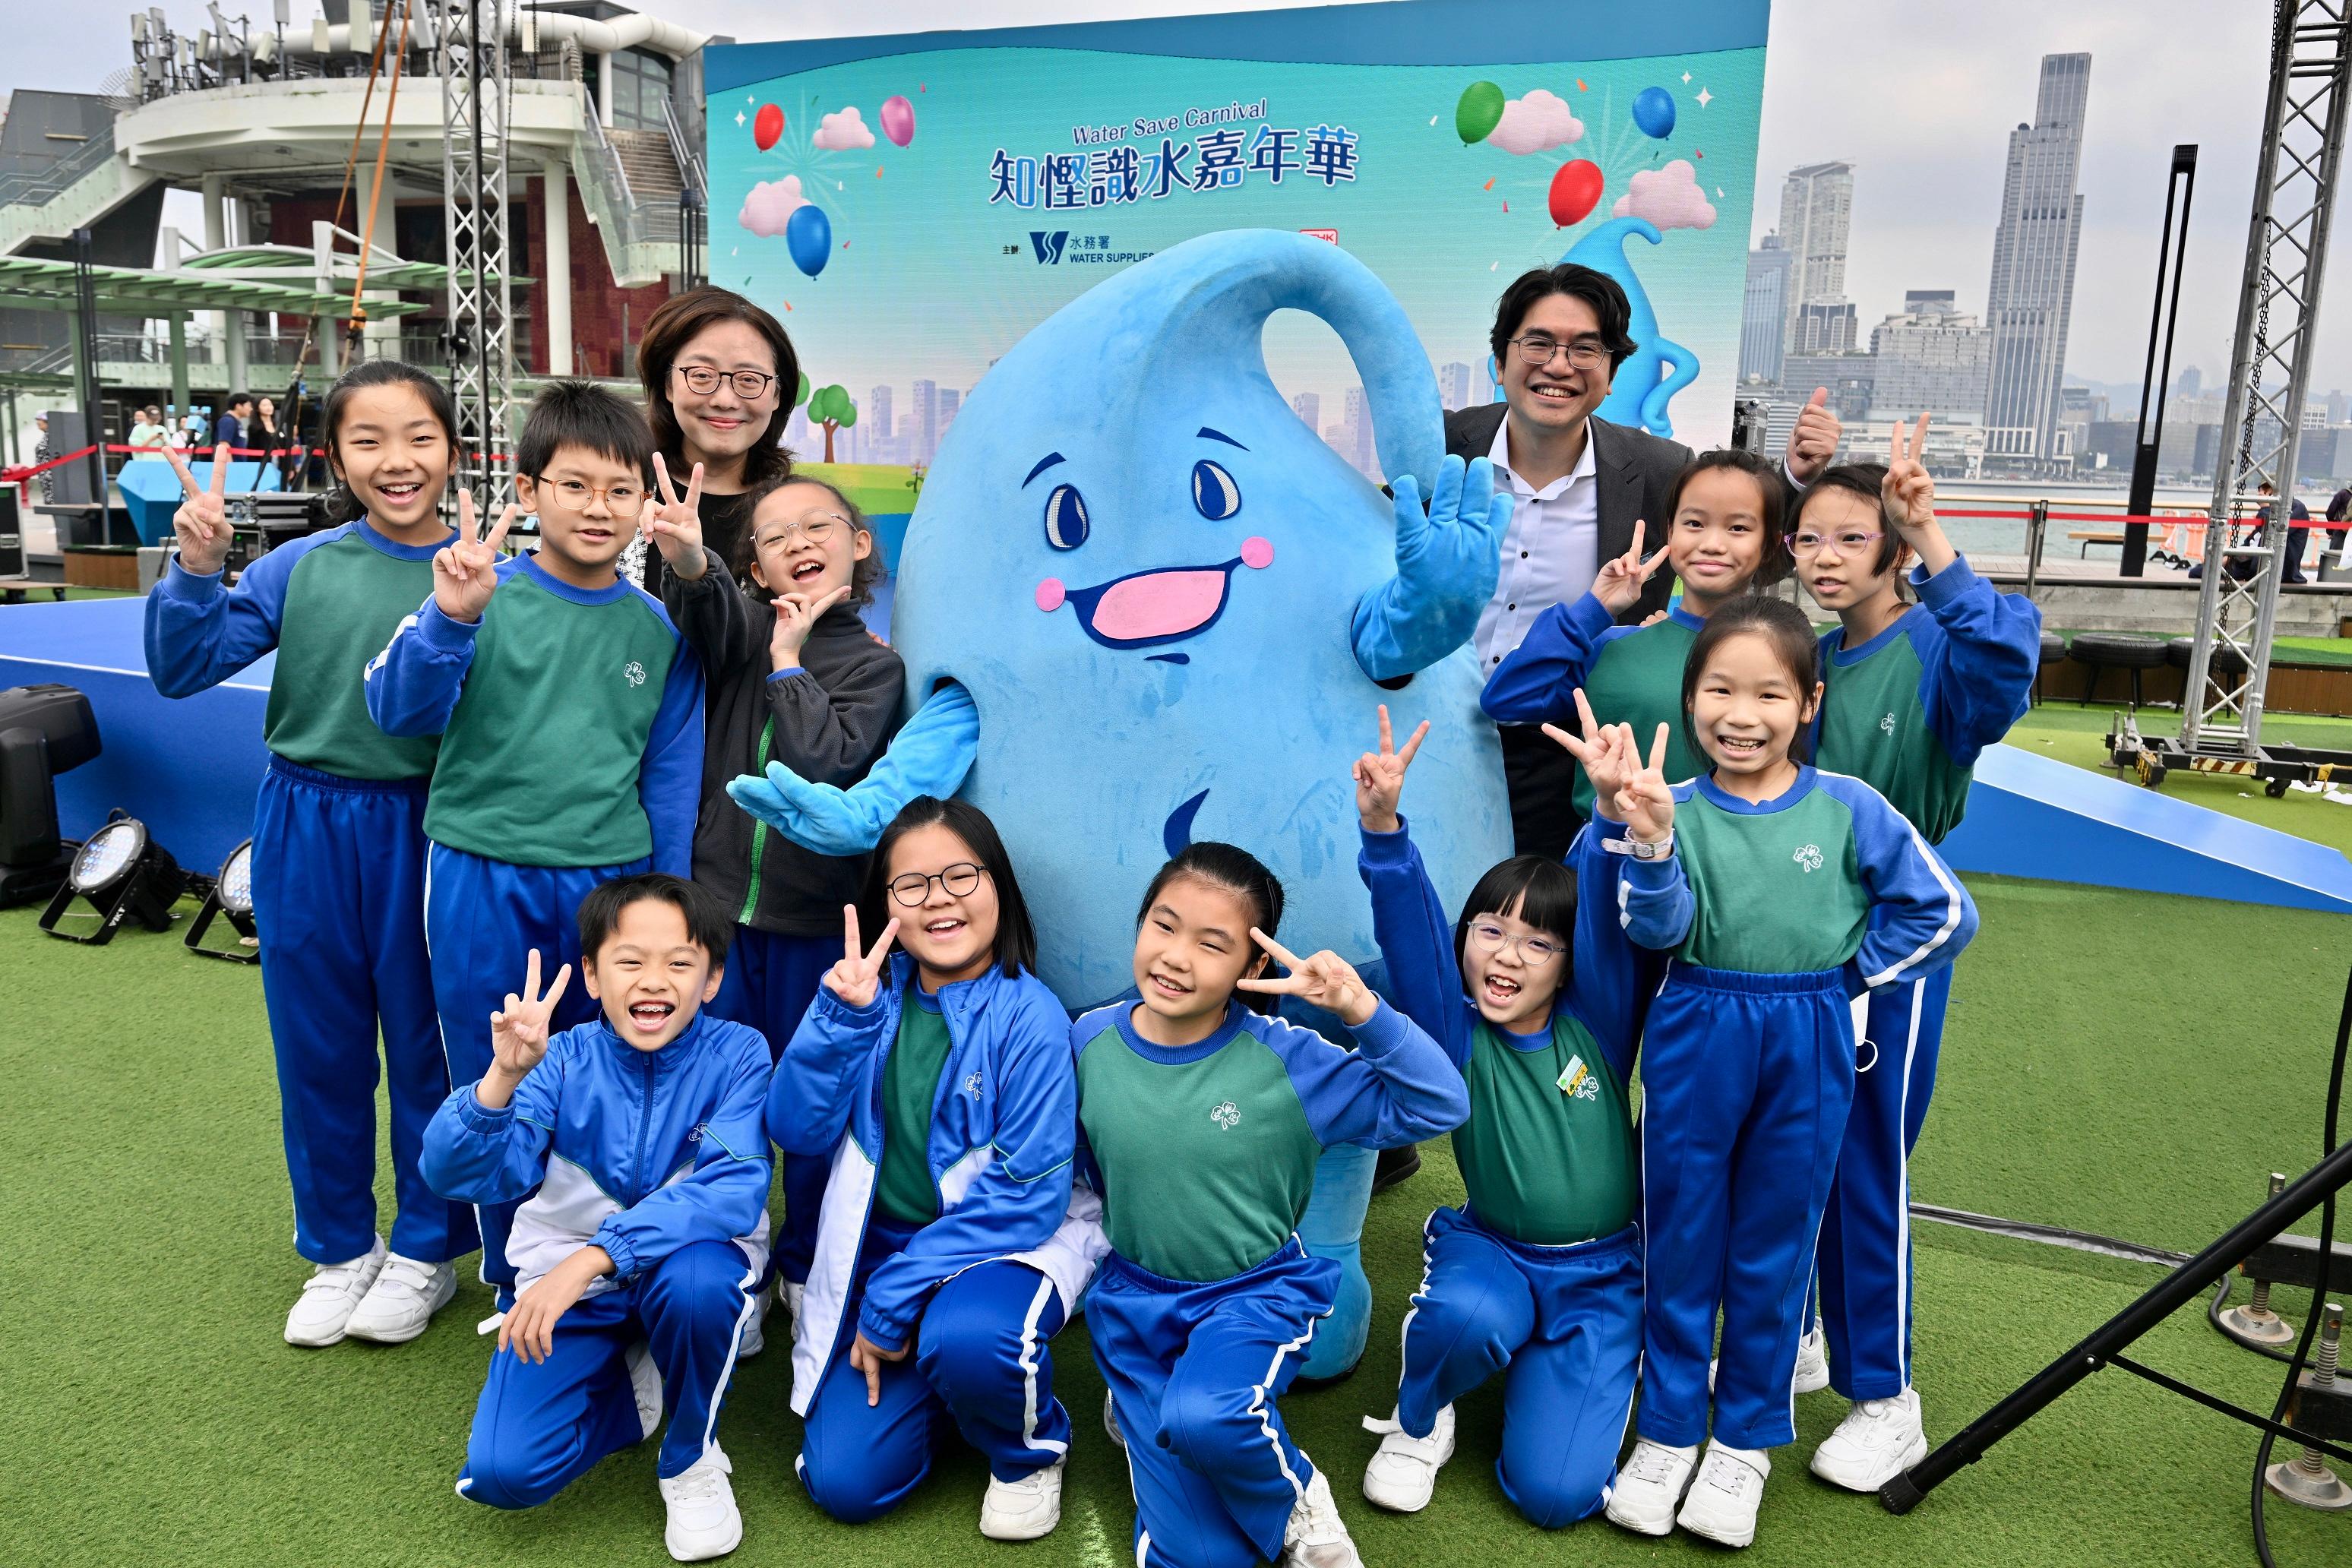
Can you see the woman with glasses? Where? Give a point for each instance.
(1537, 996)
(937, 1082)
(792, 678)
(720, 377)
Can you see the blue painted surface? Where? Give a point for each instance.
(189, 769)
(2034, 816)
(1429, 32)
(150, 491)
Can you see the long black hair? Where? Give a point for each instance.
(343, 506)
(1016, 938)
(1241, 873)
(1545, 891)
(1773, 507)
(1789, 634)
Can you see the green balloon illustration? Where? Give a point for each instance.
(1480, 110)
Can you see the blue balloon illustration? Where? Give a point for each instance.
(1653, 112)
(808, 235)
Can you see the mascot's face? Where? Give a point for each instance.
(1142, 565)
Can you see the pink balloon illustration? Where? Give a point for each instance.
(898, 120)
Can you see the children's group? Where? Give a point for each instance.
(495, 859)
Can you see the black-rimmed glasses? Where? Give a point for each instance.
(702, 381)
(959, 879)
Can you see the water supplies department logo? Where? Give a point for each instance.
(633, 673)
(1227, 1115)
(1809, 856)
(1048, 244)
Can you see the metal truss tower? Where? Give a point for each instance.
(476, 90)
(2261, 427)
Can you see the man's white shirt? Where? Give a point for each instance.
(1552, 551)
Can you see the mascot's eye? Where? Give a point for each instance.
(1214, 492)
(1066, 517)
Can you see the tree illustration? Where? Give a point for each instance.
(834, 408)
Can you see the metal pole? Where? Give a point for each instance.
(2037, 526)
(2181, 186)
(86, 387)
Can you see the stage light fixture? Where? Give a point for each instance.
(231, 895)
(44, 730)
(122, 874)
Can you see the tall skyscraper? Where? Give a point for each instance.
(1453, 386)
(923, 422)
(2033, 251)
(949, 401)
(1764, 311)
(1309, 409)
(1816, 217)
(877, 416)
(1356, 421)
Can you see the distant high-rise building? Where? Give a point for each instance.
(1764, 311)
(1355, 420)
(1930, 359)
(1816, 217)
(2338, 406)
(1453, 386)
(923, 422)
(1825, 327)
(2032, 295)
(1849, 376)
(876, 418)
(1309, 409)
(949, 401)
(2189, 382)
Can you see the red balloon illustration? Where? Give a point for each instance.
(767, 125)
(1575, 191)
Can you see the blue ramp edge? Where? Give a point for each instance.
(2035, 816)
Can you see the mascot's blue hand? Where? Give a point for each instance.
(1448, 560)
(815, 816)
(930, 756)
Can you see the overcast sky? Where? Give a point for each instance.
(1920, 99)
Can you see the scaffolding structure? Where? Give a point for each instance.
(475, 92)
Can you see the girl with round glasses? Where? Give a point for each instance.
(937, 1080)
(1537, 996)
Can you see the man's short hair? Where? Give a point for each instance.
(581, 413)
(1597, 290)
(707, 925)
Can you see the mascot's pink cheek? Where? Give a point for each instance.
(1258, 553)
(1049, 595)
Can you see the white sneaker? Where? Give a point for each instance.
(403, 1300)
(1317, 1537)
(1110, 1420)
(791, 1291)
(703, 1520)
(322, 1313)
(1723, 1501)
(1878, 1440)
(1402, 1475)
(1024, 1510)
(645, 1384)
(1813, 1361)
(755, 1334)
(1650, 1486)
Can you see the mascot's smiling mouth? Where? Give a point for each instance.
(1146, 609)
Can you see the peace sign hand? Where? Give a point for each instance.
(1619, 582)
(518, 1030)
(202, 521)
(796, 616)
(465, 571)
(1326, 981)
(1379, 776)
(1907, 497)
(859, 975)
(676, 526)
(1645, 803)
(1605, 751)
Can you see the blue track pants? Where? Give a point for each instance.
(1194, 1371)
(1562, 1324)
(981, 1364)
(770, 982)
(482, 918)
(1746, 1083)
(1865, 1251)
(541, 1425)
(338, 901)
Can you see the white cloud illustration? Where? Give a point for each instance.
(1532, 123)
(769, 206)
(843, 130)
(1669, 197)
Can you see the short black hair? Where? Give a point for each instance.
(581, 413)
(707, 925)
(1545, 891)
(1016, 938)
(1772, 506)
(1863, 479)
(1597, 290)
(237, 397)
(1791, 637)
(1236, 870)
(863, 575)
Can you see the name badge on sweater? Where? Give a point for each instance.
(1575, 1080)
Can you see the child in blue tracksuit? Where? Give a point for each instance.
(939, 1085)
(645, 1231)
(570, 713)
(1538, 997)
(1785, 894)
(1203, 1122)
(1913, 694)
(338, 841)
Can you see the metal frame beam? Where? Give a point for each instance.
(476, 94)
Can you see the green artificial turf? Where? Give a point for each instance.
(2100, 1073)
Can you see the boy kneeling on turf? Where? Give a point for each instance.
(638, 1255)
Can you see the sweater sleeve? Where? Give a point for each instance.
(1612, 979)
(721, 624)
(473, 1154)
(669, 780)
(1016, 1202)
(1654, 902)
(830, 731)
(930, 756)
(198, 634)
(823, 1070)
(721, 1197)
(1537, 682)
(413, 686)
(1981, 679)
(1396, 1087)
(1920, 915)
(1415, 940)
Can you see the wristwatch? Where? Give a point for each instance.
(1628, 845)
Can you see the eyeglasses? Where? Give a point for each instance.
(959, 879)
(621, 500)
(702, 381)
(1838, 544)
(817, 527)
(1537, 349)
(1534, 951)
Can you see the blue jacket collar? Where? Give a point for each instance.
(1732, 803)
(1684, 618)
(665, 1060)
(1236, 1017)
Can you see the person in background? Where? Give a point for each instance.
(263, 433)
(228, 430)
(149, 436)
(43, 452)
(2339, 508)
